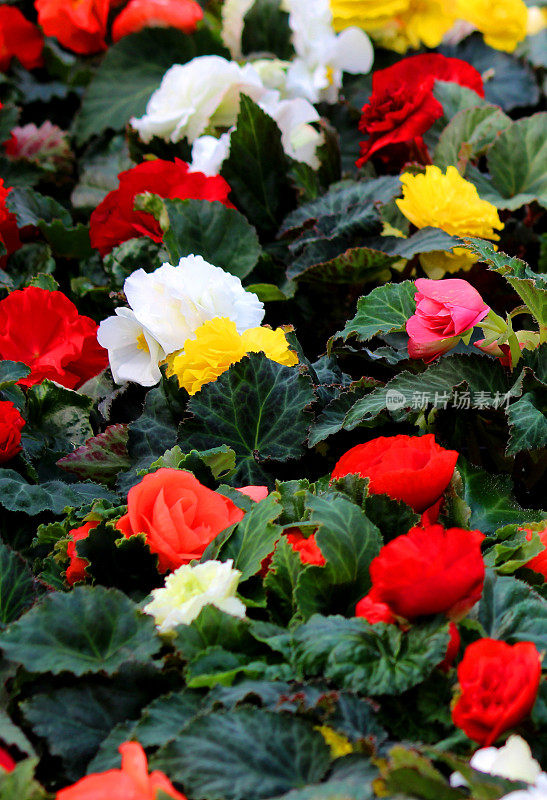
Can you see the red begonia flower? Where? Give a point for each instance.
(139, 14)
(79, 25)
(19, 38)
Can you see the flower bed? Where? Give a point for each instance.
(273, 383)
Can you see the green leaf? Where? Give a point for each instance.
(266, 30)
(214, 627)
(392, 517)
(75, 720)
(512, 550)
(426, 240)
(57, 420)
(67, 241)
(44, 280)
(370, 659)
(8, 121)
(257, 168)
(511, 611)
(517, 163)
(140, 253)
(528, 423)
(208, 228)
(211, 755)
(531, 287)
(282, 577)
(131, 70)
(20, 783)
(410, 772)
(16, 494)
(386, 309)
(355, 265)
(31, 208)
(10, 373)
(101, 457)
(257, 409)
(90, 629)
(469, 134)
(99, 168)
(349, 542)
(254, 537)
(209, 466)
(455, 98)
(490, 499)
(17, 591)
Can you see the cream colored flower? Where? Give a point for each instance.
(189, 589)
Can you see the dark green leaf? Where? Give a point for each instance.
(528, 423)
(17, 591)
(384, 310)
(31, 208)
(511, 611)
(16, 494)
(469, 134)
(221, 235)
(266, 30)
(90, 629)
(254, 537)
(211, 755)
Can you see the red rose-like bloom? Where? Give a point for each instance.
(76, 568)
(79, 25)
(131, 782)
(373, 610)
(114, 220)
(402, 107)
(452, 649)
(499, 684)
(139, 14)
(538, 563)
(414, 469)
(177, 514)
(6, 761)
(11, 425)
(19, 38)
(306, 547)
(45, 331)
(9, 233)
(430, 571)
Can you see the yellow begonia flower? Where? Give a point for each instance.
(503, 23)
(450, 203)
(339, 744)
(423, 22)
(367, 14)
(217, 345)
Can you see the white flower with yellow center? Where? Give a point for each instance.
(188, 589)
(133, 352)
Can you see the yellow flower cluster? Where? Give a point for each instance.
(400, 24)
(218, 345)
(451, 203)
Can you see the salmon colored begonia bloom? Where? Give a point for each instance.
(131, 782)
(139, 14)
(19, 39)
(79, 25)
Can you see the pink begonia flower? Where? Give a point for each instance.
(256, 493)
(445, 310)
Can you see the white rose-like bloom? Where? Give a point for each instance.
(133, 352)
(171, 302)
(188, 589)
(513, 761)
(197, 97)
(321, 54)
(233, 21)
(208, 153)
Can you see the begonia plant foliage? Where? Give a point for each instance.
(273, 395)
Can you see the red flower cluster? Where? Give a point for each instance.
(499, 684)
(306, 547)
(131, 782)
(139, 14)
(414, 469)
(430, 571)
(76, 568)
(402, 107)
(374, 610)
(79, 25)
(45, 331)
(115, 220)
(19, 39)
(177, 514)
(11, 424)
(538, 563)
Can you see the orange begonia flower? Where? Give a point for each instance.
(131, 782)
(79, 25)
(139, 14)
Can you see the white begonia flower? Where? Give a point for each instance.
(208, 153)
(513, 761)
(133, 352)
(233, 21)
(196, 98)
(172, 302)
(203, 96)
(321, 54)
(188, 589)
